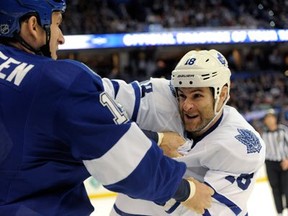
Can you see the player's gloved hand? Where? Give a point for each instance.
(169, 142)
(200, 196)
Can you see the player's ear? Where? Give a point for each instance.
(33, 27)
(223, 95)
(224, 92)
(32, 32)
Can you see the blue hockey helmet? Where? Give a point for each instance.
(11, 12)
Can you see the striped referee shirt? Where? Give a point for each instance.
(276, 143)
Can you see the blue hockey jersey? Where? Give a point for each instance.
(58, 126)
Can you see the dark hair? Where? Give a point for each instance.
(28, 15)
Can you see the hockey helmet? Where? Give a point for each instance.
(11, 12)
(204, 68)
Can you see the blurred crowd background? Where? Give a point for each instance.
(114, 16)
(259, 71)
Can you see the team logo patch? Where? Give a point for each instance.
(249, 139)
(4, 29)
(221, 59)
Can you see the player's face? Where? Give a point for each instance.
(270, 121)
(196, 108)
(56, 34)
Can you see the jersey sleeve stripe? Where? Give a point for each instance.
(227, 202)
(116, 87)
(113, 171)
(136, 88)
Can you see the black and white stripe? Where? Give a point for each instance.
(276, 143)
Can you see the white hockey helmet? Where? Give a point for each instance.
(204, 68)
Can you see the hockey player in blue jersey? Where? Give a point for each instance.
(58, 126)
(223, 149)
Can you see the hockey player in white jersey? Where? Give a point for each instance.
(223, 150)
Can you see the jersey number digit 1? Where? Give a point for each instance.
(119, 116)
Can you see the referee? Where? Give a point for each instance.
(276, 139)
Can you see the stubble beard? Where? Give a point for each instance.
(196, 131)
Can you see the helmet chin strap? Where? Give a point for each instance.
(26, 45)
(45, 50)
(216, 114)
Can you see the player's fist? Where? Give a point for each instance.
(170, 143)
(201, 196)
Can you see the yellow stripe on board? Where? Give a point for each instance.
(262, 179)
(112, 194)
(102, 195)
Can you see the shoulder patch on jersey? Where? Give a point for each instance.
(249, 139)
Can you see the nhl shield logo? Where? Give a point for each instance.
(4, 29)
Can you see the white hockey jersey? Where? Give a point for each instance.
(227, 157)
